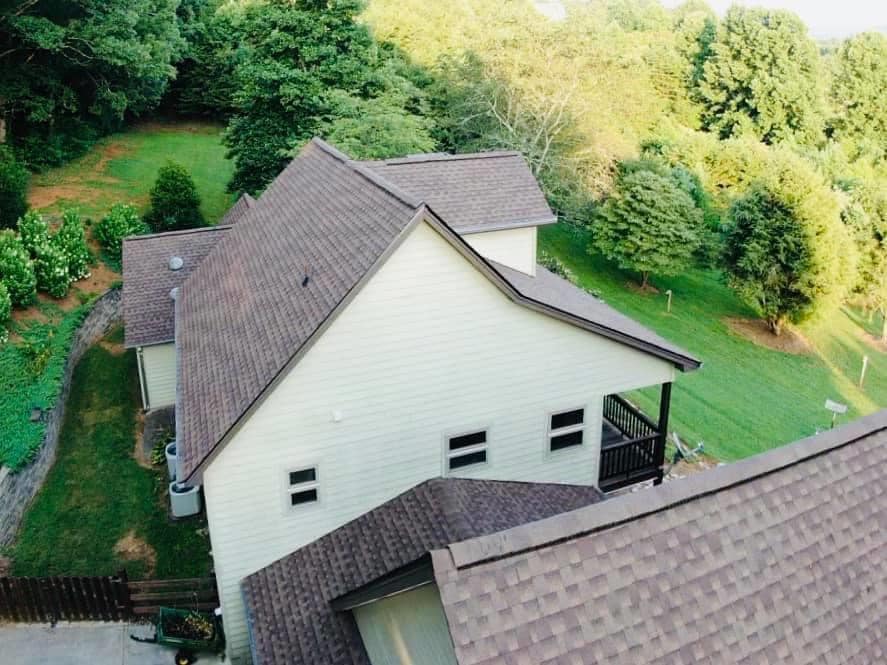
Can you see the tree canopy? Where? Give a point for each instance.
(651, 225)
(859, 91)
(67, 67)
(762, 78)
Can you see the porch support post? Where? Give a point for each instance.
(664, 406)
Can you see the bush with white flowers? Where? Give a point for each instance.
(17, 270)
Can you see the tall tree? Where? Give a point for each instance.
(651, 226)
(859, 91)
(66, 63)
(763, 78)
(302, 63)
(788, 255)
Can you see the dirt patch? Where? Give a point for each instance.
(140, 455)
(133, 548)
(756, 331)
(874, 342)
(648, 290)
(79, 188)
(5, 566)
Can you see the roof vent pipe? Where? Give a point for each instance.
(174, 293)
(176, 263)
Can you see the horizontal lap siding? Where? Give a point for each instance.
(159, 367)
(428, 347)
(515, 248)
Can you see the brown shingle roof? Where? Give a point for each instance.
(248, 310)
(148, 280)
(288, 602)
(238, 210)
(780, 558)
(550, 290)
(484, 191)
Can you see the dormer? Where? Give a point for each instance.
(492, 199)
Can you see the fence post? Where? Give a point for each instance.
(124, 595)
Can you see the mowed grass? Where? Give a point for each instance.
(96, 493)
(746, 398)
(123, 167)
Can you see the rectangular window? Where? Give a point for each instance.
(566, 429)
(302, 486)
(466, 450)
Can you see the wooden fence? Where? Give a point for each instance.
(110, 598)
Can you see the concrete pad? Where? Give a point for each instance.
(84, 643)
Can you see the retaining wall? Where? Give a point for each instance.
(17, 489)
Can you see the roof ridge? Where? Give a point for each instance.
(367, 174)
(181, 232)
(614, 512)
(445, 157)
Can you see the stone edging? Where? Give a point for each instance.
(18, 489)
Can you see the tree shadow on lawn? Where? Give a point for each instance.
(96, 495)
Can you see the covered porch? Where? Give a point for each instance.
(632, 445)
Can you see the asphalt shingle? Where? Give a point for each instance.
(147, 280)
(781, 558)
(288, 602)
(476, 192)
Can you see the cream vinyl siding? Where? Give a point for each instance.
(428, 348)
(159, 375)
(515, 248)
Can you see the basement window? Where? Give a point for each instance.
(466, 450)
(302, 486)
(566, 429)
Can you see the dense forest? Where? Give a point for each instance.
(677, 136)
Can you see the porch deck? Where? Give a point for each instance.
(632, 446)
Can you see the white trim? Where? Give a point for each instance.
(569, 429)
(462, 452)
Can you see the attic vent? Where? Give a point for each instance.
(174, 293)
(176, 263)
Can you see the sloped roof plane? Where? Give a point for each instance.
(289, 601)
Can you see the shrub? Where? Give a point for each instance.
(13, 189)
(5, 312)
(33, 231)
(175, 203)
(556, 266)
(652, 225)
(51, 269)
(120, 222)
(71, 240)
(17, 270)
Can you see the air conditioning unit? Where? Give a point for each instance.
(171, 460)
(184, 501)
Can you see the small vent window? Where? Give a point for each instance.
(466, 450)
(302, 486)
(566, 429)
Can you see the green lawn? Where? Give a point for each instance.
(122, 168)
(746, 398)
(96, 493)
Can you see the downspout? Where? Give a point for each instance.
(140, 362)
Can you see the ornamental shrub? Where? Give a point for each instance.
(175, 203)
(5, 312)
(71, 240)
(33, 231)
(13, 189)
(17, 270)
(51, 269)
(122, 221)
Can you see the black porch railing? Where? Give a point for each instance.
(638, 454)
